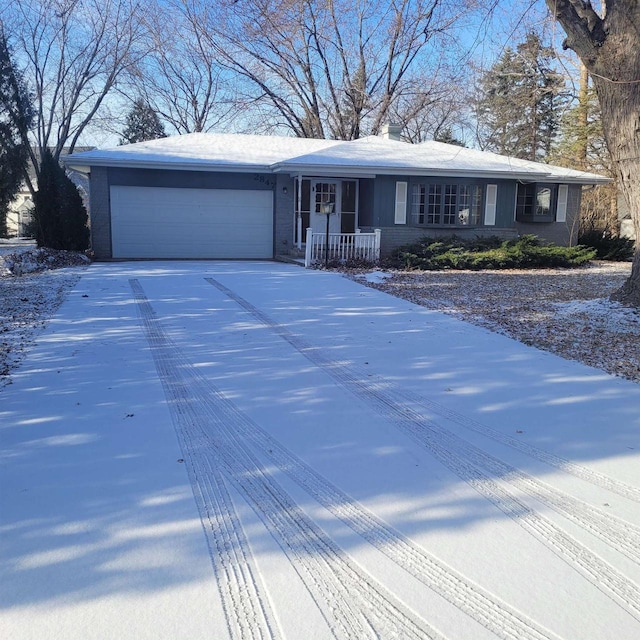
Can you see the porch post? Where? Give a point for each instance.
(378, 233)
(299, 212)
(308, 248)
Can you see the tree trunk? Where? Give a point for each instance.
(620, 104)
(583, 119)
(609, 46)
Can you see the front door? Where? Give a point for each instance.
(325, 194)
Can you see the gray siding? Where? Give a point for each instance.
(384, 204)
(190, 179)
(100, 218)
(283, 208)
(560, 233)
(366, 198)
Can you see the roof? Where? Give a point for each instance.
(201, 152)
(366, 157)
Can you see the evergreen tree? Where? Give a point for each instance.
(446, 136)
(16, 116)
(143, 124)
(582, 146)
(60, 217)
(521, 102)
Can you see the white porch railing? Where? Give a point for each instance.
(342, 247)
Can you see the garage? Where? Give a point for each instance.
(162, 222)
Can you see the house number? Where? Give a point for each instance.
(263, 180)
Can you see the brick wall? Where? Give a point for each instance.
(397, 236)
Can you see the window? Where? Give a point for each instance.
(418, 194)
(536, 202)
(464, 209)
(435, 203)
(446, 204)
(450, 203)
(476, 204)
(543, 202)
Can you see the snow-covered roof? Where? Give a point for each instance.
(202, 152)
(368, 156)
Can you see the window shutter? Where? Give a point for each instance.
(491, 204)
(563, 199)
(401, 203)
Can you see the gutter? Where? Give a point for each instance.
(84, 165)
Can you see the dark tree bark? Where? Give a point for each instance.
(609, 47)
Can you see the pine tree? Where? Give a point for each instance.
(582, 146)
(143, 124)
(446, 136)
(59, 215)
(16, 116)
(521, 102)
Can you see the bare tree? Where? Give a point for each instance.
(608, 43)
(72, 53)
(427, 113)
(329, 68)
(180, 77)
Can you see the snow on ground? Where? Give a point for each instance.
(243, 450)
(33, 284)
(565, 311)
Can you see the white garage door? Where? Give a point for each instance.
(152, 222)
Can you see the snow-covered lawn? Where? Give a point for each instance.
(252, 450)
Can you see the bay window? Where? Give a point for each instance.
(446, 204)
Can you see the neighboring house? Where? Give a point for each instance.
(20, 212)
(206, 195)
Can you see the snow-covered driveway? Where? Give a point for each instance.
(252, 450)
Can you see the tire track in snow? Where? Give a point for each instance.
(446, 448)
(589, 475)
(352, 603)
(492, 614)
(247, 610)
(618, 534)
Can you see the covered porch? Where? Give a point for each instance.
(327, 214)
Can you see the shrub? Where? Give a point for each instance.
(60, 219)
(608, 246)
(525, 252)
